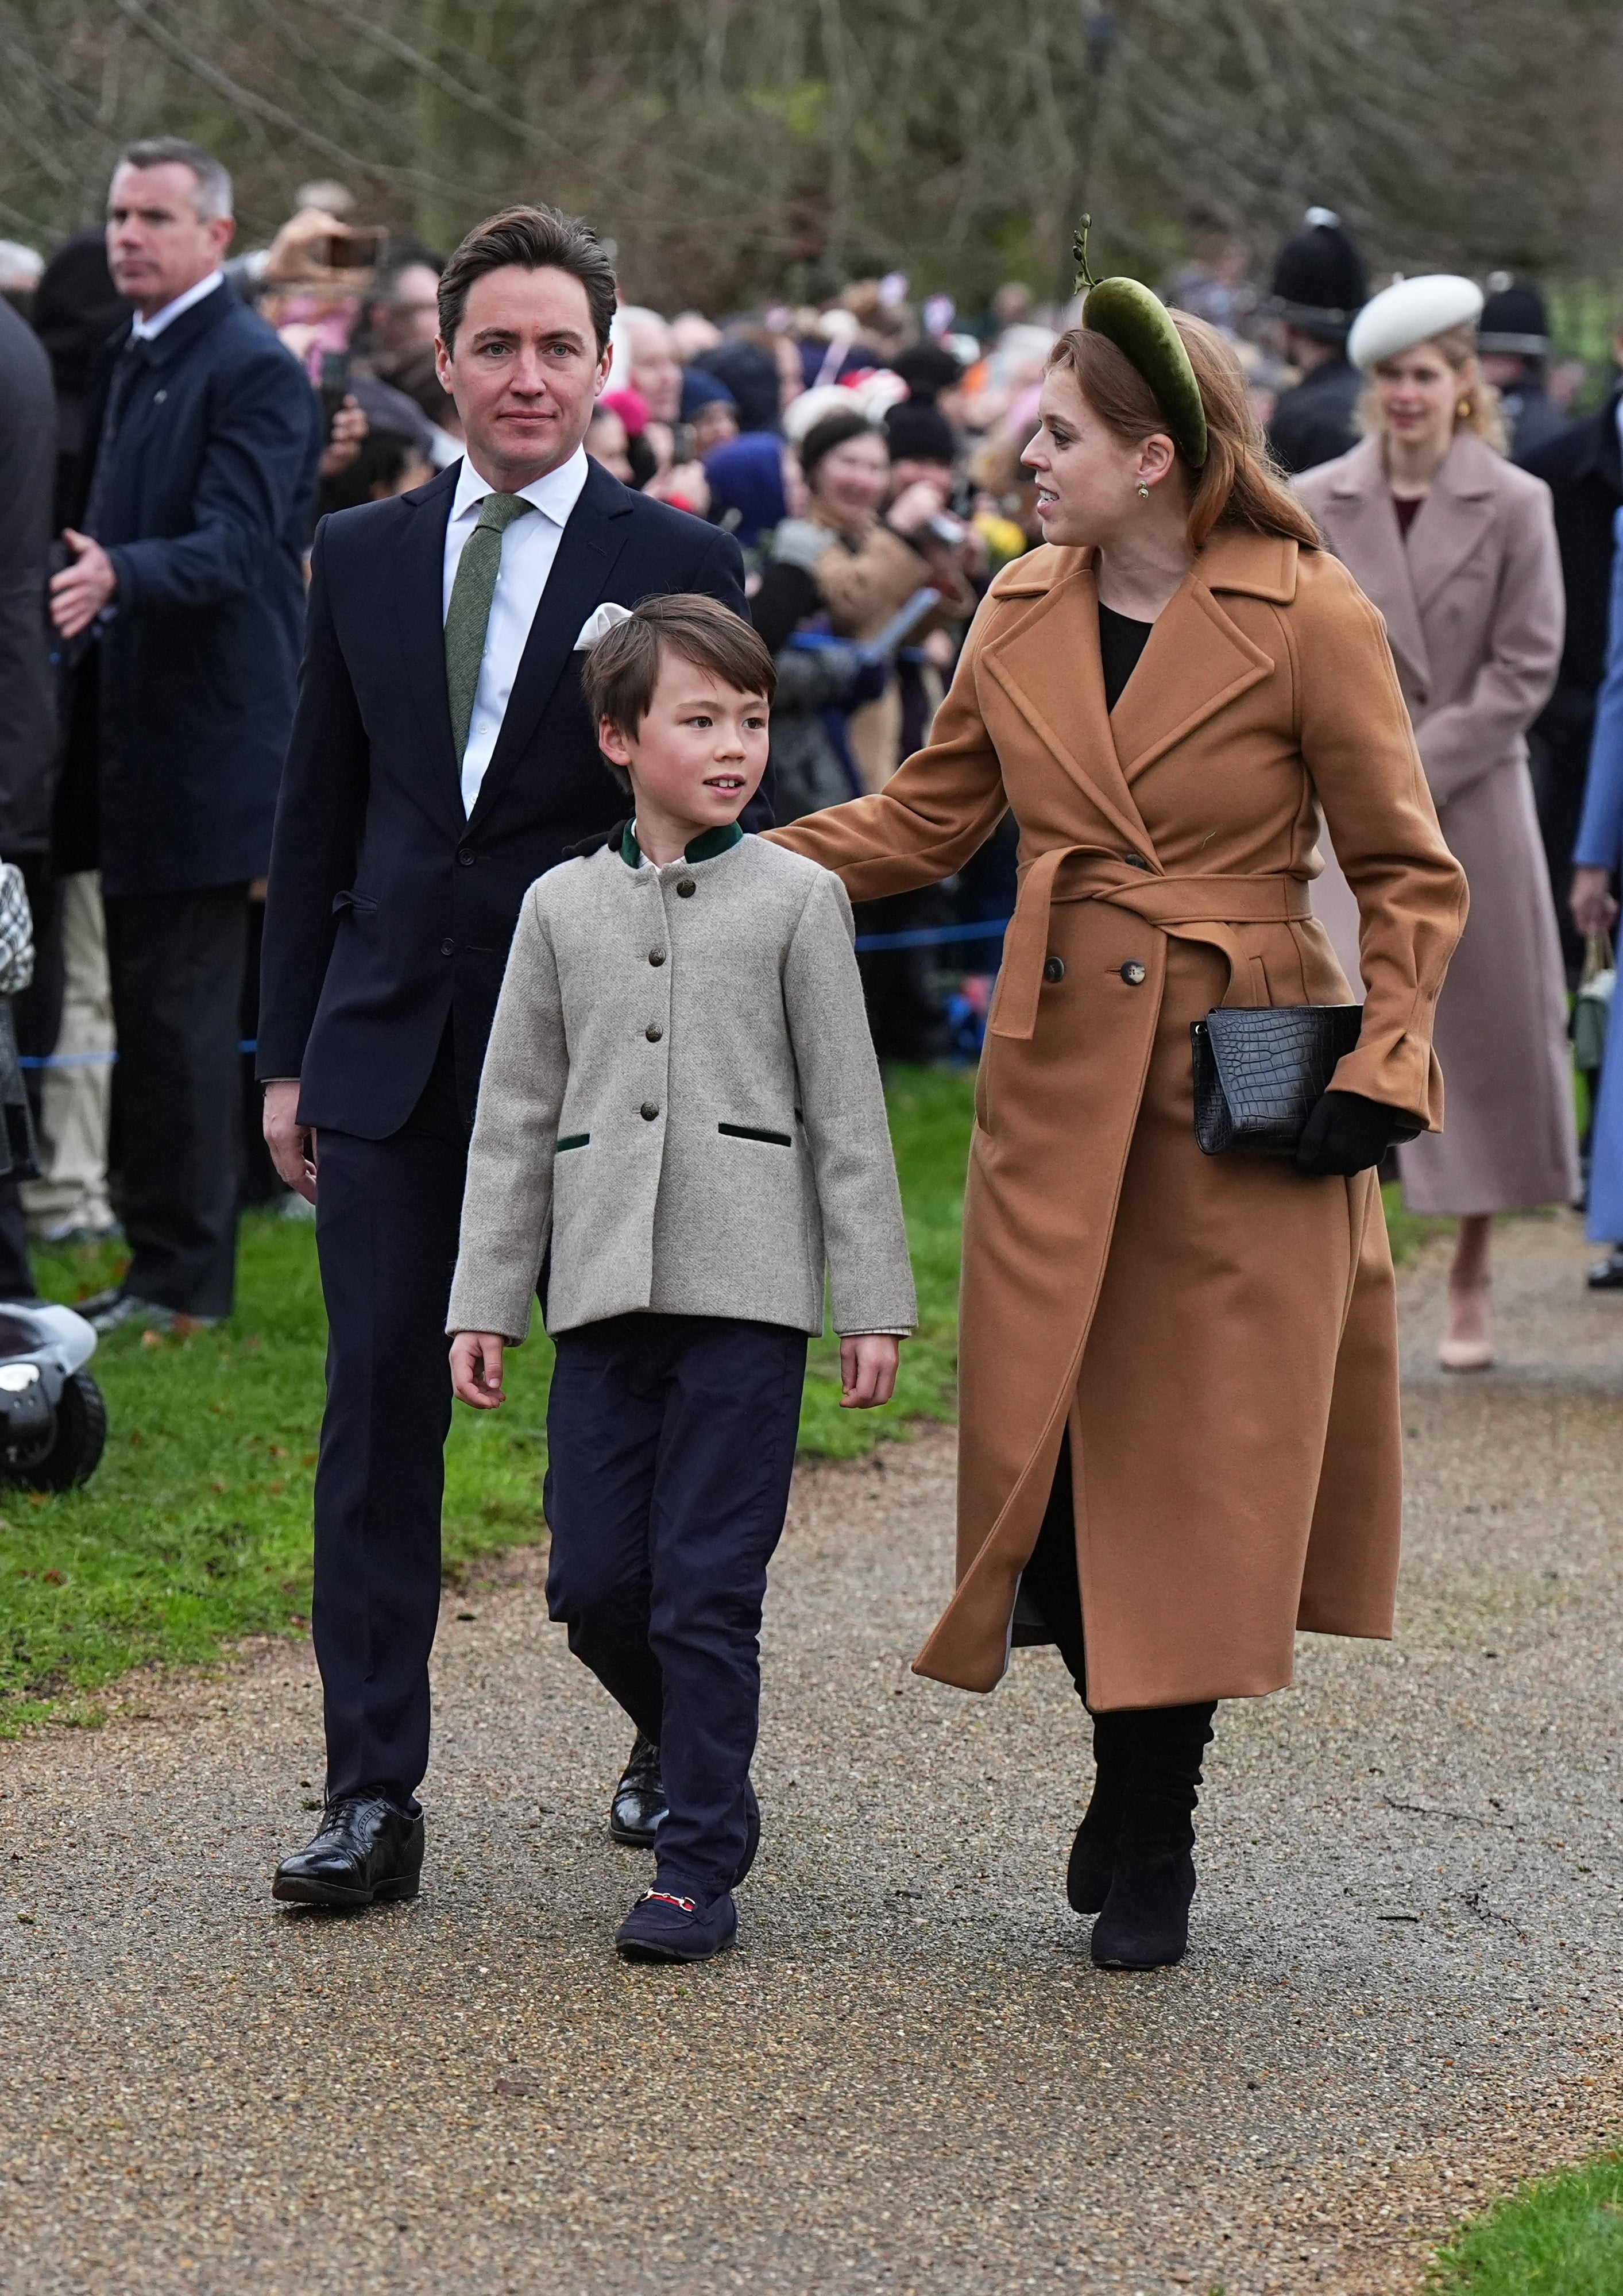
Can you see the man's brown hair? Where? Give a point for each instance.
(534, 239)
(621, 671)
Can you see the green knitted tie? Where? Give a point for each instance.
(470, 594)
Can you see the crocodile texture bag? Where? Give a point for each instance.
(1258, 1070)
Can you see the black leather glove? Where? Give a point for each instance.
(1346, 1134)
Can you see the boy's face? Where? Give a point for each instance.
(699, 755)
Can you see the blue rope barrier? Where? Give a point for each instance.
(935, 936)
(66, 1060)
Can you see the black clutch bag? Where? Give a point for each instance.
(1258, 1070)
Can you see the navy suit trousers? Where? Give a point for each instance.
(671, 1441)
(386, 1217)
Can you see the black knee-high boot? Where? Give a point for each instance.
(1093, 1853)
(1143, 1922)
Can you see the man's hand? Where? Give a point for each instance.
(1594, 910)
(291, 1145)
(80, 591)
(868, 1365)
(914, 508)
(475, 1369)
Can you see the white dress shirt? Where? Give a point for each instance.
(144, 330)
(528, 548)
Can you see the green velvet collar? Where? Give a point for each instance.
(703, 849)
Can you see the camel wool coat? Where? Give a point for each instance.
(1219, 1334)
(1474, 611)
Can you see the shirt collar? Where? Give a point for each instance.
(708, 848)
(554, 494)
(144, 330)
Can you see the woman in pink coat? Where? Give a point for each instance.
(1456, 547)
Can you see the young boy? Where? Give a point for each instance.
(681, 1115)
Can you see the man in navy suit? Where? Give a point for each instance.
(442, 757)
(184, 601)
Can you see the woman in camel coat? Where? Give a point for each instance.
(1457, 548)
(1178, 1373)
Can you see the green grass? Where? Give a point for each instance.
(1562, 2236)
(195, 1530)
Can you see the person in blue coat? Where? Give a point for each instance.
(182, 612)
(1596, 856)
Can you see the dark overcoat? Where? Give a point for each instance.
(27, 692)
(203, 495)
(1218, 1333)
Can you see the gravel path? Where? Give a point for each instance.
(1402, 1990)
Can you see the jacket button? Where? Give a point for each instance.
(650, 1109)
(1055, 970)
(656, 956)
(653, 1032)
(1133, 974)
(1135, 860)
(466, 859)
(685, 889)
(447, 947)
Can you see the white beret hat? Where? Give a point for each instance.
(1411, 311)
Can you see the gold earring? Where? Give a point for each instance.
(1144, 491)
(1462, 411)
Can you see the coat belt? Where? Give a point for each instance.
(1091, 873)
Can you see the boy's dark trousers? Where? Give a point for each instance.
(671, 1441)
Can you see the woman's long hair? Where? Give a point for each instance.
(1239, 485)
(1479, 408)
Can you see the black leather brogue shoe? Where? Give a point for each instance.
(638, 1804)
(366, 1853)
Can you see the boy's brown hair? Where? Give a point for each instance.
(621, 671)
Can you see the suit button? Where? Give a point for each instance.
(653, 1032)
(1055, 970)
(685, 889)
(650, 1109)
(447, 947)
(656, 956)
(1133, 974)
(466, 859)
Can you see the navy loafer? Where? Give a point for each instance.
(665, 1926)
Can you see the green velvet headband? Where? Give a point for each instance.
(1140, 326)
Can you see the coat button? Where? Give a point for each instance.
(447, 947)
(686, 889)
(466, 859)
(1055, 970)
(1135, 860)
(656, 956)
(650, 1109)
(1133, 974)
(653, 1032)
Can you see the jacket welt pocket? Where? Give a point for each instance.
(751, 1132)
(574, 1140)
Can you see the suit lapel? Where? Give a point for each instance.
(1453, 517)
(588, 549)
(1049, 667)
(1361, 527)
(419, 576)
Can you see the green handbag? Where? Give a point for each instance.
(1592, 1006)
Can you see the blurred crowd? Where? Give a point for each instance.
(865, 452)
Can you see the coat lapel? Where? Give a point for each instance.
(1049, 667)
(1453, 517)
(420, 611)
(1361, 527)
(590, 544)
(1197, 660)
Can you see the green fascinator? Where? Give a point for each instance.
(1141, 327)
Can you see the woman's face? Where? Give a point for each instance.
(606, 440)
(848, 484)
(1416, 394)
(1087, 478)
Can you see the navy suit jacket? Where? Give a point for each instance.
(203, 496)
(388, 908)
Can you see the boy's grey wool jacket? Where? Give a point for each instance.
(681, 1097)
